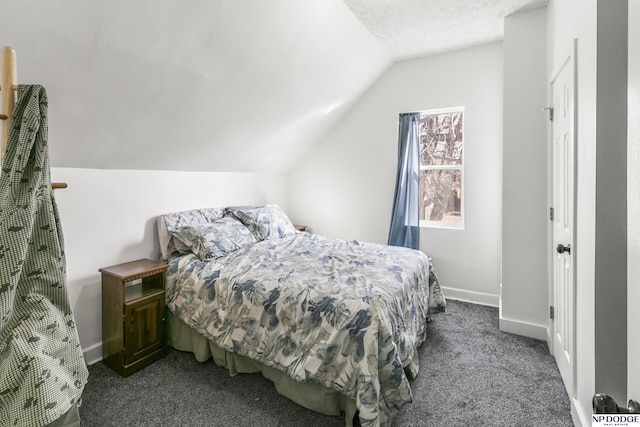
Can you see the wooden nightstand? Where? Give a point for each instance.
(133, 327)
(300, 227)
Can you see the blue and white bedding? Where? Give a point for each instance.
(344, 314)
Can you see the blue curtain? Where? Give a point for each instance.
(405, 223)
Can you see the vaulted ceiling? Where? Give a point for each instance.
(215, 85)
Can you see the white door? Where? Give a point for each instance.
(563, 249)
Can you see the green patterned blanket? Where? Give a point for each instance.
(42, 370)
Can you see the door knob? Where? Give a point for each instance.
(562, 249)
(605, 404)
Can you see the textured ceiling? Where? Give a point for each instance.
(411, 28)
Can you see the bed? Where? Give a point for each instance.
(335, 324)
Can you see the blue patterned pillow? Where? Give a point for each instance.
(167, 223)
(266, 222)
(215, 239)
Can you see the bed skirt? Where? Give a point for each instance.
(312, 396)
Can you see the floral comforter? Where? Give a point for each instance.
(345, 314)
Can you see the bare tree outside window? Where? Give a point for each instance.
(441, 167)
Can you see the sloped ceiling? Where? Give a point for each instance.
(219, 85)
(208, 85)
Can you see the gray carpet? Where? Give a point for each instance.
(471, 374)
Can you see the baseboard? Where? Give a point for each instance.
(92, 354)
(580, 418)
(523, 328)
(471, 296)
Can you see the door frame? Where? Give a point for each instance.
(633, 208)
(569, 57)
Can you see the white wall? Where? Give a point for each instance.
(344, 186)
(524, 294)
(109, 217)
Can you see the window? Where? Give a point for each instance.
(442, 168)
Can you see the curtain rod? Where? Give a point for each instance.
(10, 80)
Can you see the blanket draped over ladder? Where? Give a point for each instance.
(42, 369)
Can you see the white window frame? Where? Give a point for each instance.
(444, 224)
